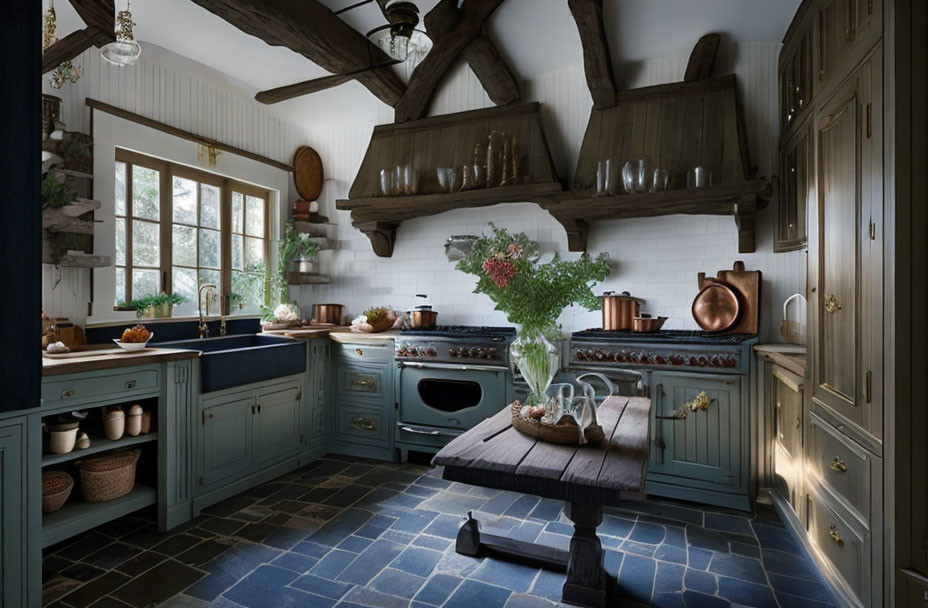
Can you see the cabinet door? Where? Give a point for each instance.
(227, 439)
(12, 517)
(786, 391)
(845, 265)
(278, 425)
(796, 188)
(708, 445)
(836, 35)
(796, 79)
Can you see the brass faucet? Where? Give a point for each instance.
(204, 329)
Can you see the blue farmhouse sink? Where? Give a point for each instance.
(237, 360)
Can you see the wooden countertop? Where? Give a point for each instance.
(350, 337)
(306, 333)
(101, 356)
(789, 356)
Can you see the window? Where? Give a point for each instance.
(179, 228)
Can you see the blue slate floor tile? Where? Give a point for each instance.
(668, 600)
(500, 504)
(746, 594)
(371, 561)
(294, 561)
(311, 549)
(697, 580)
(355, 544)
(669, 553)
(522, 507)
(775, 537)
(446, 526)
(506, 574)
(612, 562)
(615, 526)
(414, 521)
(789, 564)
(415, 560)
(341, 527)
(394, 582)
(793, 601)
(438, 589)
(402, 538)
(266, 586)
(729, 523)
(550, 584)
(675, 536)
(638, 548)
(212, 585)
(527, 531)
(375, 527)
(736, 566)
(547, 510)
(697, 536)
(521, 600)
(431, 542)
(474, 594)
(694, 599)
(699, 558)
(651, 534)
(812, 590)
(636, 578)
(559, 527)
(669, 578)
(321, 586)
(333, 563)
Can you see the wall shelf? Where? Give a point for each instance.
(97, 445)
(303, 278)
(76, 516)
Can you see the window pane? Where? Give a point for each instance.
(210, 276)
(237, 253)
(145, 283)
(121, 242)
(238, 212)
(209, 206)
(184, 245)
(145, 189)
(145, 249)
(254, 251)
(185, 201)
(120, 195)
(120, 285)
(250, 286)
(209, 248)
(185, 283)
(254, 216)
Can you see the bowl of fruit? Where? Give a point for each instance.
(134, 338)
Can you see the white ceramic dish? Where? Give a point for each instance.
(133, 346)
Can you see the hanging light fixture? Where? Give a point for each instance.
(125, 50)
(399, 38)
(66, 71)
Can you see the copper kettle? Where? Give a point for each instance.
(619, 311)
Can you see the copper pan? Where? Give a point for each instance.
(716, 306)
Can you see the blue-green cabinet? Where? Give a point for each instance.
(364, 408)
(20, 514)
(279, 429)
(226, 429)
(703, 456)
(318, 391)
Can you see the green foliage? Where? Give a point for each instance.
(294, 246)
(141, 305)
(56, 191)
(532, 295)
(250, 287)
(374, 314)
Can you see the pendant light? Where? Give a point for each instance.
(125, 50)
(399, 38)
(66, 71)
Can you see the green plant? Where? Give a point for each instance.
(250, 287)
(141, 305)
(293, 246)
(56, 191)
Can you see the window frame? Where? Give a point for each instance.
(167, 171)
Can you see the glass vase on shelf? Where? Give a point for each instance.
(537, 356)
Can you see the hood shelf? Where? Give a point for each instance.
(446, 141)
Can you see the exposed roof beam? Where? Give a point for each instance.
(309, 28)
(597, 62)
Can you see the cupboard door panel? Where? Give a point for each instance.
(796, 190)
(12, 517)
(227, 430)
(279, 428)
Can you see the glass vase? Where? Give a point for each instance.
(538, 359)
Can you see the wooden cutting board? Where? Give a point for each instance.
(747, 284)
(307, 173)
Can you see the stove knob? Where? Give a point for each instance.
(714, 361)
(582, 355)
(482, 353)
(703, 361)
(621, 356)
(660, 360)
(637, 357)
(731, 361)
(474, 353)
(492, 353)
(676, 360)
(599, 355)
(453, 352)
(694, 361)
(431, 352)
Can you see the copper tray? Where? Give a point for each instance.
(716, 306)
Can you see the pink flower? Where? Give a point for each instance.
(515, 251)
(500, 271)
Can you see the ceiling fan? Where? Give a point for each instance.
(398, 38)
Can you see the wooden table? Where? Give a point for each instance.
(495, 455)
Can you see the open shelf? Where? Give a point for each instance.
(304, 278)
(77, 516)
(97, 445)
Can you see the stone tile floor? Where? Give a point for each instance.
(349, 533)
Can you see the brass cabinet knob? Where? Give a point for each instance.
(835, 535)
(359, 352)
(831, 304)
(838, 465)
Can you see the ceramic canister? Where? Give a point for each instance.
(114, 424)
(134, 421)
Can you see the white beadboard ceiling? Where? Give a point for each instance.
(535, 36)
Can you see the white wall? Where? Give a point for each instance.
(655, 258)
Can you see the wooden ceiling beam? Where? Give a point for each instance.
(312, 30)
(597, 62)
(99, 16)
(481, 54)
(446, 49)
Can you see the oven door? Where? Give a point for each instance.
(450, 396)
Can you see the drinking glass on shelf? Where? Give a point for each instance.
(480, 176)
(610, 180)
(628, 178)
(659, 180)
(397, 180)
(410, 179)
(442, 174)
(386, 182)
(452, 179)
(699, 177)
(600, 178)
(641, 175)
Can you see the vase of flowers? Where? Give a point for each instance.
(533, 296)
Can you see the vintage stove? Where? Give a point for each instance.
(449, 379)
(706, 455)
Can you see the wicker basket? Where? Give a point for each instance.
(565, 434)
(56, 488)
(108, 477)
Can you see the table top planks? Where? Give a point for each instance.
(494, 454)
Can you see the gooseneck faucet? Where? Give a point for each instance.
(204, 329)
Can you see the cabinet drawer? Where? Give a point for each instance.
(361, 382)
(355, 423)
(359, 353)
(846, 547)
(81, 388)
(841, 464)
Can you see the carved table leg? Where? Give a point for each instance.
(586, 583)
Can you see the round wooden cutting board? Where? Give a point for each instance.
(307, 172)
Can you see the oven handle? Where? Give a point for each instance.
(462, 368)
(431, 432)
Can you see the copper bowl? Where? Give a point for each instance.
(645, 324)
(716, 306)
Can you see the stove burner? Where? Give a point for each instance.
(668, 336)
(461, 331)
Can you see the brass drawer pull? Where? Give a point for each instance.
(130, 384)
(363, 424)
(67, 394)
(831, 304)
(798, 422)
(838, 465)
(835, 535)
(367, 382)
(359, 352)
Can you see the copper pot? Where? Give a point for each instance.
(646, 324)
(619, 311)
(328, 313)
(422, 318)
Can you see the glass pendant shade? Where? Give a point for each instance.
(122, 52)
(409, 49)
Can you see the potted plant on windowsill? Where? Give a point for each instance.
(533, 296)
(153, 307)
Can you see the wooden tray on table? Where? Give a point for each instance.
(564, 434)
